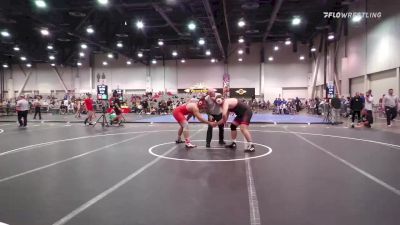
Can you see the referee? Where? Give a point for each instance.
(214, 114)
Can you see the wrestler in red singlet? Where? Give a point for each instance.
(180, 113)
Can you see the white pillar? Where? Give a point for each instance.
(10, 88)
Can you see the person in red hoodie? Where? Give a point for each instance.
(89, 109)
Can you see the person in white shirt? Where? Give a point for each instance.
(22, 108)
(369, 101)
(390, 102)
(37, 105)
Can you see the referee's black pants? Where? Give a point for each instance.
(220, 127)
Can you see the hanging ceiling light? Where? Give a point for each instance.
(52, 57)
(302, 57)
(50, 47)
(270, 58)
(154, 61)
(296, 21)
(241, 40)
(160, 42)
(40, 4)
(183, 60)
(288, 42)
(23, 58)
(174, 53)
(313, 49)
(240, 52)
(202, 41)
(140, 54)
(81, 54)
(139, 24)
(191, 25)
(105, 63)
(89, 30)
(79, 64)
(16, 48)
(44, 32)
(84, 46)
(208, 52)
(128, 62)
(28, 65)
(5, 33)
(276, 48)
(110, 55)
(240, 59)
(241, 23)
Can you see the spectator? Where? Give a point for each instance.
(369, 101)
(336, 107)
(390, 102)
(37, 104)
(356, 106)
(297, 102)
(22, 108)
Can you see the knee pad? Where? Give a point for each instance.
(233, 126)
(185, 126)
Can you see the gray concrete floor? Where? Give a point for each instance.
(57, 173)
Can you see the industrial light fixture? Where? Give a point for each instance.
(44, 32)
(302, 57)
(296, 20)
(23, 58)
(240, 59)
(183, 60)
(40, 3)
(105, 63)
(240, 52)
(84, 46)
(276, 48)
(213, 60)
(53, 64)
(16, 48)
(331, 36)
(140, 54)
(52, 57)
(174, 53)
(5, 66)
(139, 24)
(5, 33)
(241, 40)
(208, 52)
(191, 25)
(313, 49)
(160, 42)
(89, 30)
(128, 62)
(154, 61)
(79, 64)
(50, 47)
(28, 65)
(102, 2)
(288, 42)
(81, 54)
(202, 41)
(110, 55)
(270, 58)
(241, 23)
(120, 45)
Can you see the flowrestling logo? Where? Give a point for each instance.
(353, 15)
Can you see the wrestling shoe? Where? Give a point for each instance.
(190, 145)
(250, 148)
(179, 141)
(232, 145)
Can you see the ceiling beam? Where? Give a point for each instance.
(74, 34)
(166, 18)
(211, 19)
(274, 14)
(226, 23)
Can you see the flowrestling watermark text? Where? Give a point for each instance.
(350, 15)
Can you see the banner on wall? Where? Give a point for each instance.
(330, 89)
(102, 92)
(242, 92)
(226, 85)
